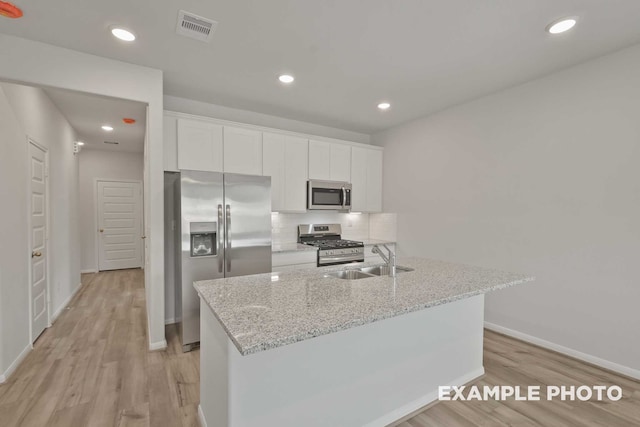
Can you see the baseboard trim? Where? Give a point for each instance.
(602, 363)
(169, 321)
(412, 408)
(158, 345)
(58, 312)
(88, 271)
(5, 376)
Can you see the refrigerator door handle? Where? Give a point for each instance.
(227, 251)
(219, 241)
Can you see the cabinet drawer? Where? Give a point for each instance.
(292, 258)
(294, 267)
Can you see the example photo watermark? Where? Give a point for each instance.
(531, 393)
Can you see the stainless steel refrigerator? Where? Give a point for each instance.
(224, 230)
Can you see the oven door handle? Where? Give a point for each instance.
(355, 257)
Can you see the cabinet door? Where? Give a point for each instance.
(273, 165)
(340, 162)
(296, 169)
(199, 146)
(374, 181)
(319, 160)
(285, 161)
(366, 178)
(329, 161)
(170, 143)
(242, 151)
(359, 179)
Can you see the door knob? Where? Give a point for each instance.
(35, 254)
(143, 237)
(102, 230)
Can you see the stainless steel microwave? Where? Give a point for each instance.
(329, 195)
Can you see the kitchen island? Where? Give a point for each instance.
(306, 348)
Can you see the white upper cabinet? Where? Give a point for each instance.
(329, 161)
(366, 178)
(208, 144)
(285, 160)
(199, 146)
(170, 142)
(242, 151)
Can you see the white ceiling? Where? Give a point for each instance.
(347, 55)
(87, 114)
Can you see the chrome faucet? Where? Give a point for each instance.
(390, 259)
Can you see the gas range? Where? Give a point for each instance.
(332, 249)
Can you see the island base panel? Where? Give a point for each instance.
(369, 375)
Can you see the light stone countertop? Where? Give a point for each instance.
(270, 310)
(292, 247)
(371, 242)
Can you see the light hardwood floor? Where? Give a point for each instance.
(508, 361)
(92, 368)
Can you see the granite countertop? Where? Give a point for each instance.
(292, 247)
(270, 310)
(369, 242)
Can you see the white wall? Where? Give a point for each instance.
(543, 179)
(100, 164)
(29, 112)
(14, 297)
(182, 105)
(37, 63)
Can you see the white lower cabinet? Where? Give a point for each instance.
(285, 261)
(284, 159)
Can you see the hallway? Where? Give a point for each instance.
(92, 368)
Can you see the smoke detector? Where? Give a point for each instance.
(195, 27)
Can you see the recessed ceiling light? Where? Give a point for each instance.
(80, 143)
(384, 105)
(123, 34)
(562, 25)
(107, 128)
(286, 78)
(9, 10)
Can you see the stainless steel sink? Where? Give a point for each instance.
(366, 272)
(350, 274)
(383, 270)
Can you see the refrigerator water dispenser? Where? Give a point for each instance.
(203, 239)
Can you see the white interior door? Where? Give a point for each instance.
(119, 225)
(38, 240)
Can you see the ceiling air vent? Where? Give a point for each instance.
(195, 27)
(111, 142)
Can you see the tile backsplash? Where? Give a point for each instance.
(382, 226)
(284, 226)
